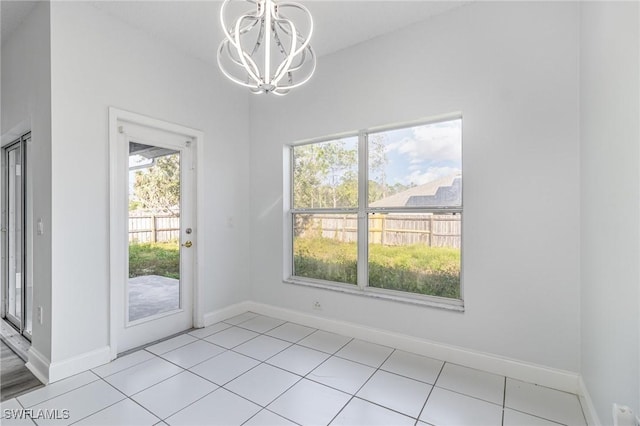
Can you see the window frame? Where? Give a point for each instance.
(362, 212)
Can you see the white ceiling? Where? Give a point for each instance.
(193, 26)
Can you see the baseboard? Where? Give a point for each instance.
(77, 364)
(38, 364)
(528, 372)
(227, 312)
(588, 408)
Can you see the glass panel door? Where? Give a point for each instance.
(14, 236)
(154, 286)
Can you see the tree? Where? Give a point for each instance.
(158, 187)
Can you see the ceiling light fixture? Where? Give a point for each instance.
(286, 59)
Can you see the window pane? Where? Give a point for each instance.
(416, 166)
(417, 253)
(325, 175)
(325, 247)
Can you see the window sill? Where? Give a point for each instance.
(419, 300)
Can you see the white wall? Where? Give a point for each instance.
(26, 105)
(97, 62)
(511, 68)
(610, 160)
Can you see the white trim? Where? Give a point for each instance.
(38, 364)
(588, 408)
(115, 116)
(77, 364)
(211, 318)
(567, 381)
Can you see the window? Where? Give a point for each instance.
(380, 212)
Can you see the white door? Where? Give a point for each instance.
(156, 177)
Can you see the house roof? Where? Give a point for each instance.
(445, 191)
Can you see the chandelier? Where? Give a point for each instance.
(264, 50)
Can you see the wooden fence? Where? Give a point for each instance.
(151, 228)
(388, 229)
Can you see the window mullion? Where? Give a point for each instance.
(363, 223)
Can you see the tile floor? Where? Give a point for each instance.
(257, 370)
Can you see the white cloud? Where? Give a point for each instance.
(432, 142)
(431, 174)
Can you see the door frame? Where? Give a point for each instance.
(117, 243)
(23, 141)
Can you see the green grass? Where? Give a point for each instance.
(154, 259)
(417, 268)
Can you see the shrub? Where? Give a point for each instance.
(154, 259)
(416, 268)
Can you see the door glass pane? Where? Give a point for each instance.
(325, 247)
(14, 234)
(154, 231)
(415, 252)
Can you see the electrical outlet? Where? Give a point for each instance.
(317, 306)
(623, 416)
(39, 313)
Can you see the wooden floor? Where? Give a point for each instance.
(15, 378)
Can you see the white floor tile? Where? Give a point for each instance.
(21, 420)
(201, 333)
(267, 418)
(219, 408)
(324, 341)
(309, 403)
(194, 353)
(231, 337)
(413, 366)
(58, 388)
(516, 418)
(446, 408)
(13, 416)
(365, 352)
(342, 374)
(262, 347)
(143, 375)
(263, 384)
(396, 392)
(240, 318)
(10, 404)
(363, 413)
(224, 367)
(173, 394)
(123, 413)
(291, 332)
(80, 402)
(122, 363)
(171, 344)
(543, 402)
(261, 324)
(471, 382)
(298, 359)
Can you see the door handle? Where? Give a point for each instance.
(187, 244)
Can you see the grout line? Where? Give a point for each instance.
(504, 399)
(430, 392)
(60, 394)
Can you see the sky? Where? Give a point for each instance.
(421, 154)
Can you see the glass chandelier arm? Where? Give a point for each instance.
(284, 66)
(227, 30)
(252, 69)
(309, 20)
(225, 72)
(308, 77)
